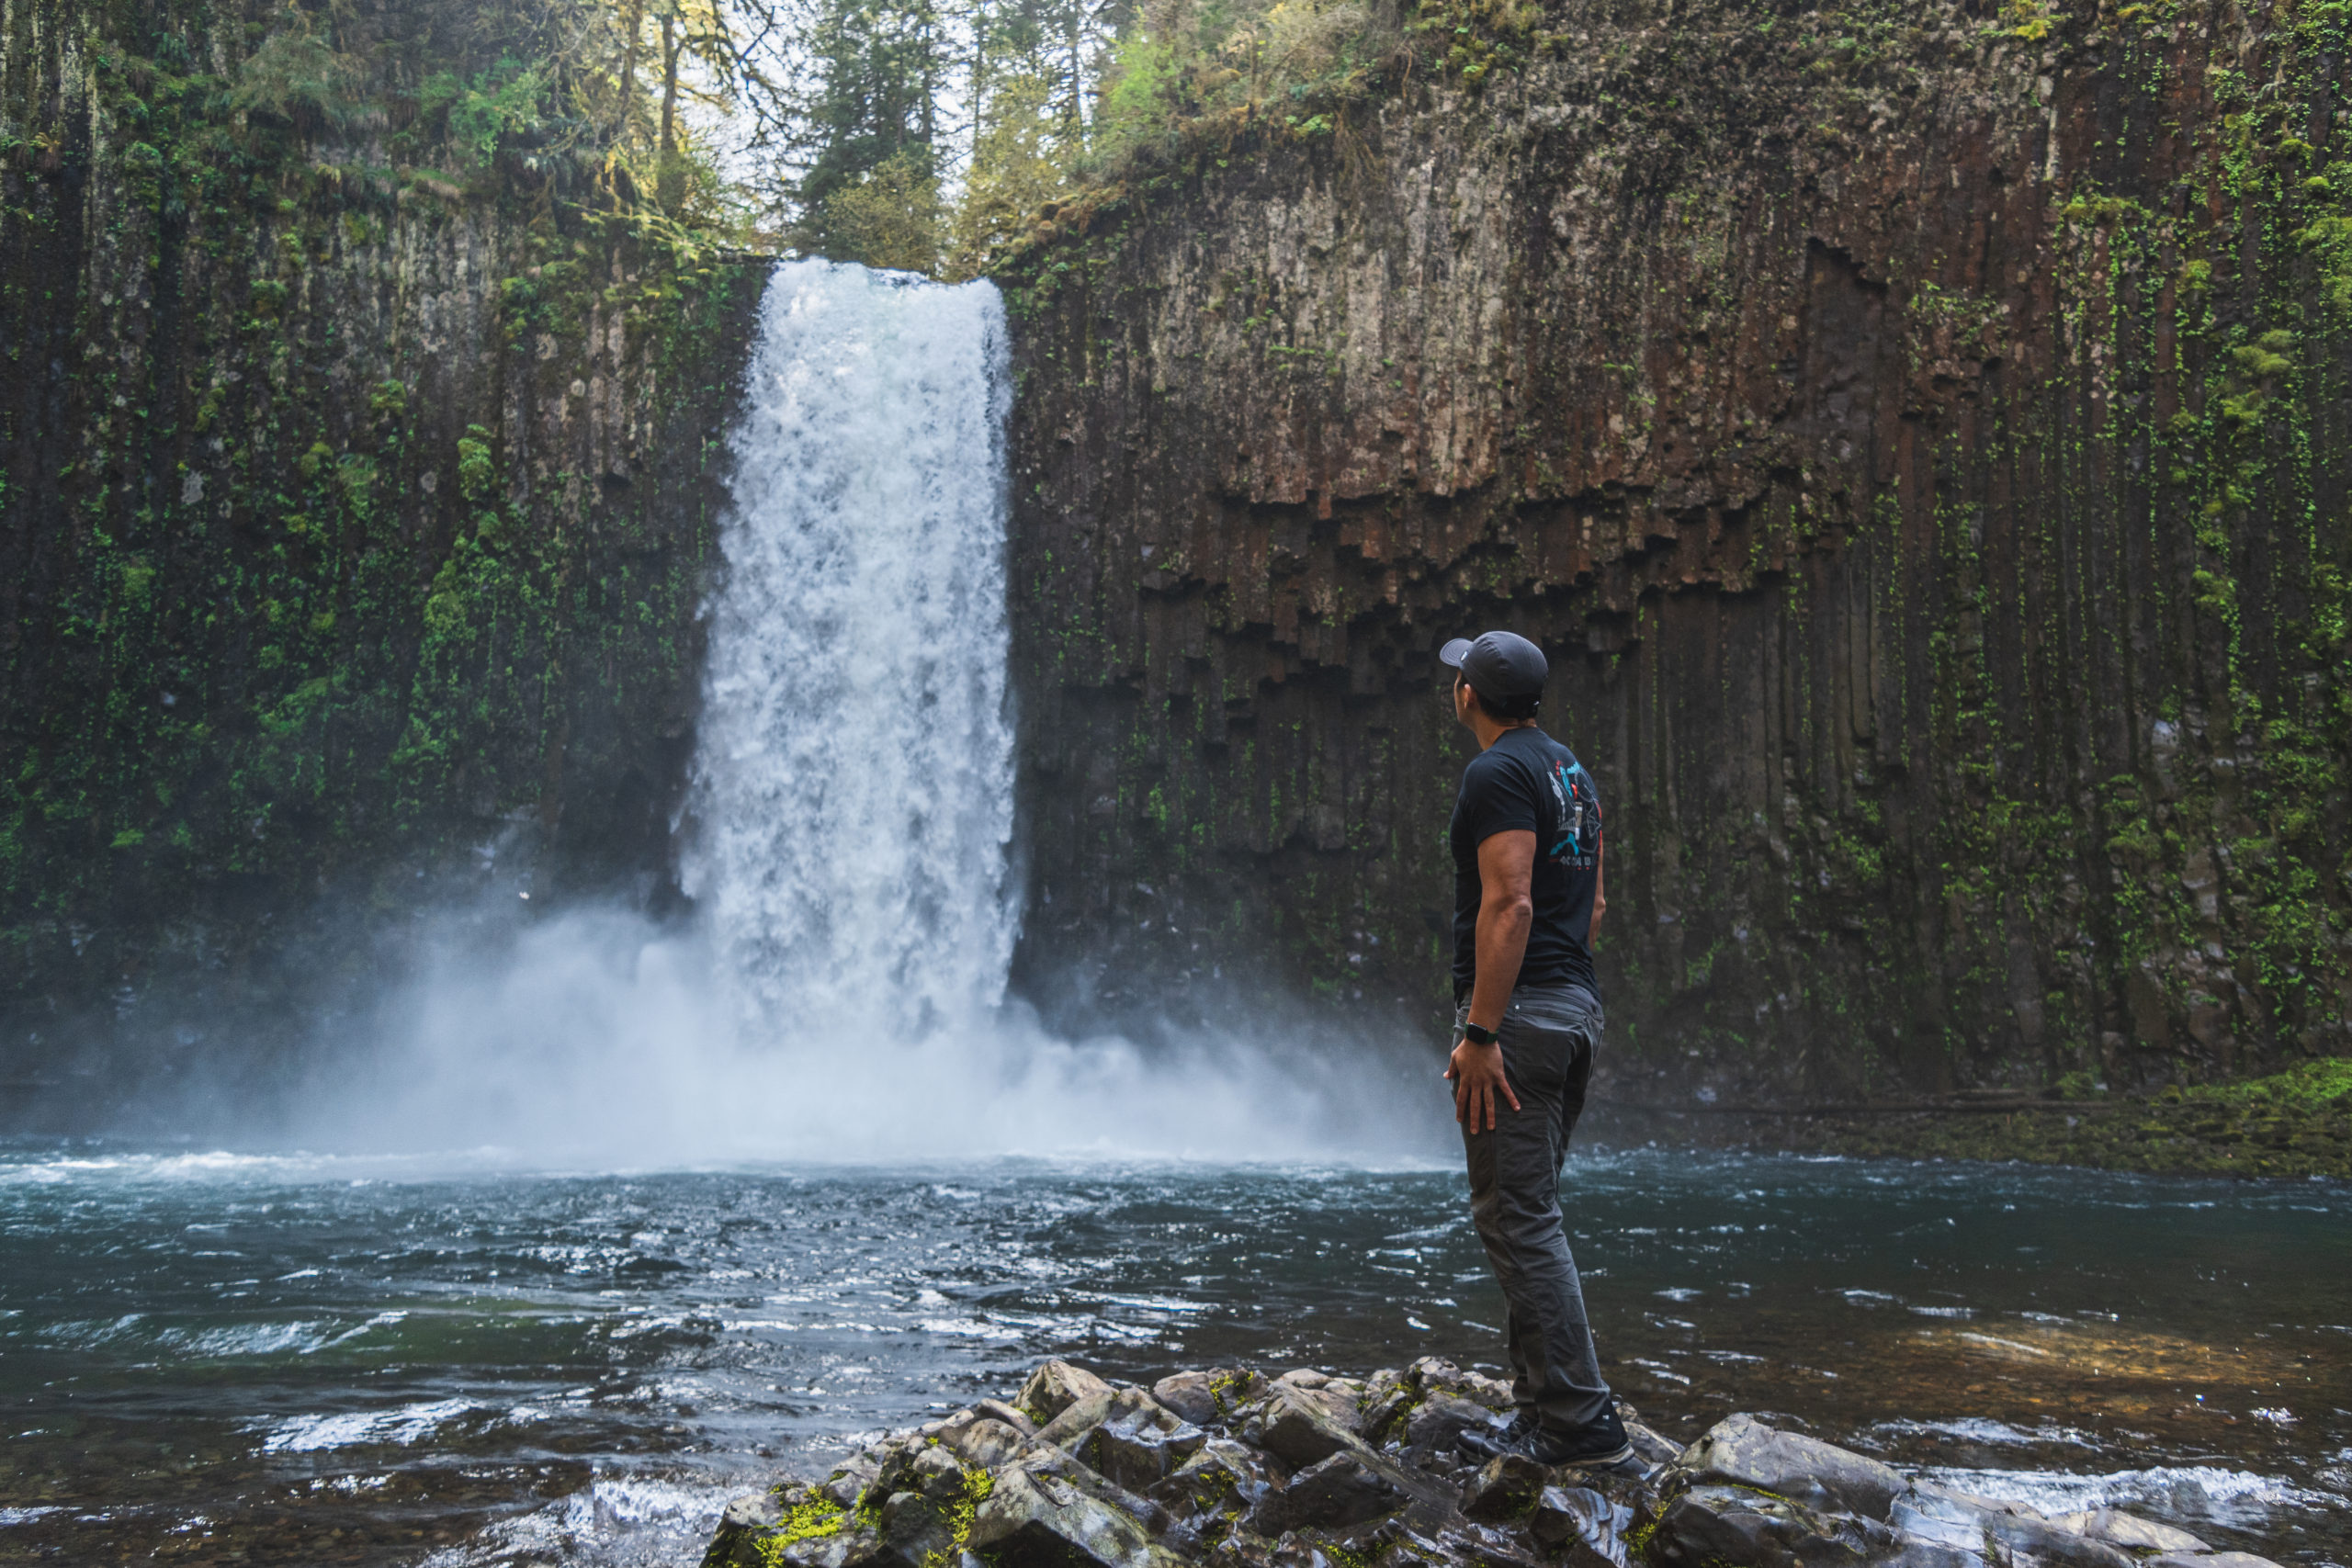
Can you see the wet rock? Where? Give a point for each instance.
(1011, 1415)
(1504, 1488)
(1340, 1491)
(1648, 1446)
(1295, 1427)
(1224, 1478)
(1440, 1419)
(988, 1443)
(849, 1482)
(1742, 1452)
(1121, 1478)
(1192, 1395)
(1711, 1523)
(2130, 1532)
(1055, 1387)
(1032, 1518)
(1982, 1525)
(1583, 1528)
(1077, 1420)
(1461, 1544)
(747, 1520)
(1138, 1441)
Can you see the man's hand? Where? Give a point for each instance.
(1476, 1072)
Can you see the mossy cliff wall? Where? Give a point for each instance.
(1919, 437)
(357, 502)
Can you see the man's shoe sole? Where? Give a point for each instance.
(1623, 1462)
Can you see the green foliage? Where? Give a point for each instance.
(504, 101)
(298, 76)
(1019, 167)
(888, 217)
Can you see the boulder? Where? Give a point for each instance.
(1011, 1415)
(2209, 1560)
(1338, 1493)
(988, 1443)
(1138, 1441)
(846, 1485)
(745, 1523)
(1035, 1519)
(1192, 1395)
(1979, 1524)
(2130, 1531)
(1746, 1529)
(1504, 1488)
(1584, 1529)
(1077, 1420)
(1292, 1424)
(1740, 1450)
(1434, 1374)
(1648, 1447)
(1439, 1420)
(1224, 1477)
(1055, 1387)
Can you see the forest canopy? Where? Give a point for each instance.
(927, 135)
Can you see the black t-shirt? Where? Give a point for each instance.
(1529, 781)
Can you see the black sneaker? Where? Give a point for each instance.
(1490, 1441)
(1603, 1446)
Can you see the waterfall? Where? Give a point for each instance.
(852, 796)
(840, 994)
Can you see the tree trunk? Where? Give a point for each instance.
(635, 26)
(669, 178)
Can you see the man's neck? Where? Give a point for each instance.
(1489, 731)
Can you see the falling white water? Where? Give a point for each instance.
(840, 994)
(853, 795)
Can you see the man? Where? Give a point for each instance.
(1526, 837)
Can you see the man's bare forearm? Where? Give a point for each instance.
(1503, 925)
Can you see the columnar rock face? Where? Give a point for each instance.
(1919, 442)
(356, 508)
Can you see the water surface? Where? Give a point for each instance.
(209, 1357)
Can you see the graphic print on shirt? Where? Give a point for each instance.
(1575, 836)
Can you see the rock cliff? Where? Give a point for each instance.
(1918, 437)
(358, 503)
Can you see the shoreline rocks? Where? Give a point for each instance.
(1229, 1468)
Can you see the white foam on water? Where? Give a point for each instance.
(613, 1522)
(1983, 1429)
(25, 1516)
(402, 1426)
(2228, 1497)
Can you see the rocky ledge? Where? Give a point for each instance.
(1312, 1470)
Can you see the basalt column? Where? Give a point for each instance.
(1918, 440)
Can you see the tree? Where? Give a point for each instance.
(876, 69)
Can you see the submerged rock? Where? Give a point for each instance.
(1310, 1470)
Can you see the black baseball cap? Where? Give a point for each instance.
(1502, 667)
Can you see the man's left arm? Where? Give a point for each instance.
(1599, 893)
(1506, 911)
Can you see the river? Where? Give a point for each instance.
(215, 1357)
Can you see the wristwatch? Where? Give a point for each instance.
(1475, 1035)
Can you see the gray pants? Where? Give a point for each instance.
(1547, 1040)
